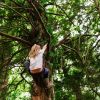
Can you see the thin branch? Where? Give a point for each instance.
(43, 26)
(95, 44)
(62, 41)
(8, 60)
(54, 4)
(96, 92)
(23, 76)
(2, 4)
(40, 19)
(75, 52)
(16, 39)
(55, 14)
(16, 85)
(21, 8)
(68, 39)
(97, 5)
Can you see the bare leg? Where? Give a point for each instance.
(48, 83)
(36, 98)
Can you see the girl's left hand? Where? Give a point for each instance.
(45, 46)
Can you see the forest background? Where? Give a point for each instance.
(72, 30)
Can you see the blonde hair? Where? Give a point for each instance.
(34, 51)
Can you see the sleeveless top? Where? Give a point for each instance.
(37, 62)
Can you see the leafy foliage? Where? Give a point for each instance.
(70, 27)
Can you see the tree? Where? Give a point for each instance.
(29, 22)
(71, 29)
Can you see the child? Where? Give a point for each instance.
(39, 74)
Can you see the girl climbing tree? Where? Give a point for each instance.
(37, 70)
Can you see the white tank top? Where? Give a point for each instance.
(37, 62)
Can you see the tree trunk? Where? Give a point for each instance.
(3, 85)
(77, 91)
(39, 33)
(41, 93)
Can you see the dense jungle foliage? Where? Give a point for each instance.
(72, 30)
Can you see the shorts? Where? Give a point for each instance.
(45, 72)
(39, 77)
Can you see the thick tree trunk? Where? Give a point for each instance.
(39, 33)
(41, 93)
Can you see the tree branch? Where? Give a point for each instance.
(55, 14)
(16, 39)
(97, 5)
(80, 58)
(67, 39)
(3, 4)
(42, 24)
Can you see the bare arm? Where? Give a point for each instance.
(44, 48)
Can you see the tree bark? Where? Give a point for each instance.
(16, 39)
(3, 83)
(40, 93)
(77, 91)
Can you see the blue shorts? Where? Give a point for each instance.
(45, 72)
(39, 77)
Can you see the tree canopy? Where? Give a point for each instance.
(71, 29)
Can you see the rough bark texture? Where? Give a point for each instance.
(39, 30)
(3, 84)
(41, 93)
